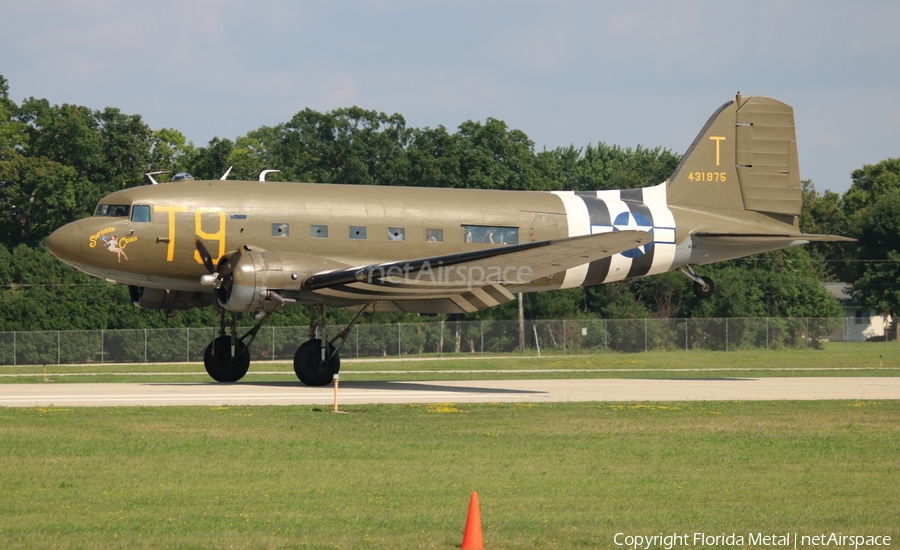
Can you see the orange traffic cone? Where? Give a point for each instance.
(472, 539)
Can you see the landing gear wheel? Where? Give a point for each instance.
(219, 363)
(309, 367)
(706, 290)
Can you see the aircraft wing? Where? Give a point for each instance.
(480, 274)
(767, 237)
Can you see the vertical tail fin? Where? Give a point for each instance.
(745, 158)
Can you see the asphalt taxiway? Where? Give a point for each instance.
(52, 394)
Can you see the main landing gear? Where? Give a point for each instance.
(227, 358)
(703, 286)
(316, 361)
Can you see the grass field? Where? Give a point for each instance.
(858, 359)
(548, 476)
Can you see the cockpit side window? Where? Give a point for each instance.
(140, 213)
(114, 210)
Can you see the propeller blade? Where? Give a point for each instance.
(205, 256)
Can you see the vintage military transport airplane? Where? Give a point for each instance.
(258, 246)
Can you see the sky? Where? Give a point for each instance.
(566, 73)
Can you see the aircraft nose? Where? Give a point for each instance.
(65, 242)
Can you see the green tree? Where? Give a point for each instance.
(350, 145)
(210, 162)
(870, 183)
(877, 266)
(607, 167)
(170, 151)
(781, 283)
(825, 214)
(491, 156)
(872, 206)
(434, 158)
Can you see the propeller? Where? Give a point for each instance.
(220, 276)
(213, 278)
(205, 256)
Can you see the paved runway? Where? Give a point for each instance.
(289, 393)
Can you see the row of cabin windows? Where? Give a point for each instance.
(471, 233)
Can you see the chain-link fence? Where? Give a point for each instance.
(585, 336)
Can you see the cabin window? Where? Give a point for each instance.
(318, 231)
(434, 235)
(115, 210)
(860, 319)
(140, 213)
(280, 229)
(396, 234)
(490, 234)
(357, 232)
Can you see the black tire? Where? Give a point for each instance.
(308, 365)
(219, 363)
(704, 293)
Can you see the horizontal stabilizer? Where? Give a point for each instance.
(757, 237)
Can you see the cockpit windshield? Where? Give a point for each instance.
(113, 210)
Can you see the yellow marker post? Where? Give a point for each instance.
(337, 379)
(45, 373)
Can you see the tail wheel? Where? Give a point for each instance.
(310, 368)
(221, 365)
(707, 289)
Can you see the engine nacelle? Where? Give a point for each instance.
(254, 279)
(172, 300)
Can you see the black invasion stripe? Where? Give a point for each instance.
(633, 195)
(463, 304)
(476, 302)
(496, 294)
(597, 272)
(641, 265)
(598, 212)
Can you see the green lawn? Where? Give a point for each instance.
(836, 359)
(548, 475)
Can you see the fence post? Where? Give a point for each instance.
(102, 345)
(807, 333)
(357, 341)
(57, 348)
(564, 337)
(726, 334)
(605, 333)
(846, 333)
(482, 337)
(15, 352)
(145, 346)
(441, 341)
(686, 334)
(399, 349)
(645, 335)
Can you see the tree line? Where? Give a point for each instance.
(57, 161)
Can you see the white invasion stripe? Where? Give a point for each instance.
(664, 250)
(579, 222)
(619, 265)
